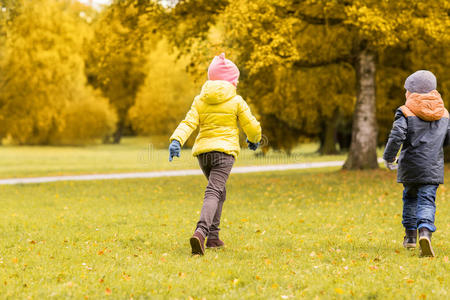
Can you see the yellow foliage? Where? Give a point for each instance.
(86, 120)
(42, 75)
(166, 95)
(124, 34)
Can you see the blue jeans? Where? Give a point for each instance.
(419, 206)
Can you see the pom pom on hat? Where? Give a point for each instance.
(223, 69)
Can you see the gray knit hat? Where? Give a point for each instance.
(421, 82)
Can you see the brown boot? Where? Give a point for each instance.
(214, 243)
(410, 239)
(425, 242)
(197, 244)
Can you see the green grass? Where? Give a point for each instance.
(299, 234)
(132, 155)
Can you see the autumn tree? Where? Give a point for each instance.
(283, 94)
(117, 63)
(277, 33)
(44, 98)
(165, 96)
(8, 10)
(349, 35)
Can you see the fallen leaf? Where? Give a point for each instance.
(108, 291)
(339, 291)
(126, 277)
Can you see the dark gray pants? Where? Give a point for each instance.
(217, 167)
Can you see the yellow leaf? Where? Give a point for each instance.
(339, 291)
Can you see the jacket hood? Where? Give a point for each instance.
(217, 91)
(428, 107)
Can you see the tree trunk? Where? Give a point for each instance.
(117, 136)
(344, 134)
(328, 141)
(363, 149)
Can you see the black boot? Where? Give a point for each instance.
(425, 242)
(410, 239)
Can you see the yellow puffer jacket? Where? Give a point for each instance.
(217, 110)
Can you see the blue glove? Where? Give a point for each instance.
(174, 149)
(252, 146)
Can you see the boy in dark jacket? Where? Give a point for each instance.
(421, 126)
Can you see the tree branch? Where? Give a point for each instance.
(308, 64)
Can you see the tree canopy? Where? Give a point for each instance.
(330, 71)
(304, 62)
(43, 83)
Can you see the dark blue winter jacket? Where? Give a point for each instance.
(422, 127)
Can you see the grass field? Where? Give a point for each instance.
(132, 155)
(304, 234)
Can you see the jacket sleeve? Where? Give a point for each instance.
(187, 126)
(248, 122)
(396, 137)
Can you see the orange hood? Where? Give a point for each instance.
(428, 107)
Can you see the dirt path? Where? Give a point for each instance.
(175, 173)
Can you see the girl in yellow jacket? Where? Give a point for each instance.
(216, 111)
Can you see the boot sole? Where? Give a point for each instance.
(425, 247)
(196, 246)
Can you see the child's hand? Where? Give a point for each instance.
(174, 149)
(252, 146)
(390, 165)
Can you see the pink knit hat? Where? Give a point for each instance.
(223, 69)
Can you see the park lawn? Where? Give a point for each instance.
(132, 155)
(303, 234)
